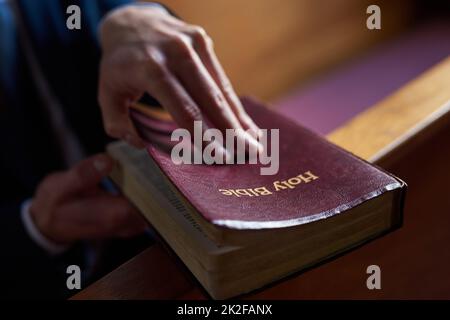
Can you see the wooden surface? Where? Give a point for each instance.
(159, 271)
(389, 129)
(268, 47)
(414, 260)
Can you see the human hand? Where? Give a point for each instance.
(70, 206)
(145, 49)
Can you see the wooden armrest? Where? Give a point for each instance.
(381, 134)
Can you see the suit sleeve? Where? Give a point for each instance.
(70, 58)
(28, 272)
(67, 57)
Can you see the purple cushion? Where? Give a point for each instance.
(333, 99)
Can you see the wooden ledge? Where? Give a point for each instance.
(396, 124)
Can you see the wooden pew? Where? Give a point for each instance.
(408, 133)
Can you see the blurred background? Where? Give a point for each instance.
(315, 60)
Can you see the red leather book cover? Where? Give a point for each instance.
(316, 179)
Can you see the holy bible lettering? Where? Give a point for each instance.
(290, 183)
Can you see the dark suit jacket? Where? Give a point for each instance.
(30, 151)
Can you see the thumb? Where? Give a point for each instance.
(87, 173)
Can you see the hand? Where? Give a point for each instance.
(70, 206)
(145, 49)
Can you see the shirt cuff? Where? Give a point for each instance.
(33, 232)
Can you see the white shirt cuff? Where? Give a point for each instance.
(49, 246)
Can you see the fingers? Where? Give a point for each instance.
(168, 90)
(70, 206)
(115, 112)
(187, 66)
(97, 217)
(87, 173)
(171, 94)
(82, 177)
(175, 63)
(204, 47)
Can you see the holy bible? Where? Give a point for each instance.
(237, 230)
